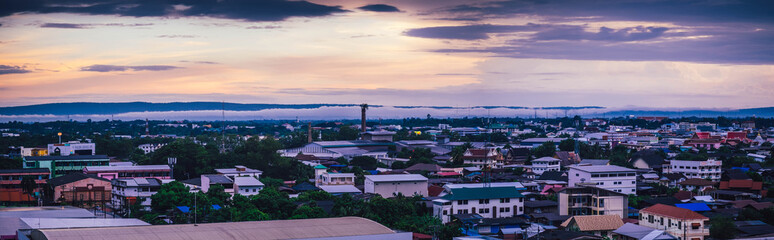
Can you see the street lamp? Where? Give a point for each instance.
(60, 137)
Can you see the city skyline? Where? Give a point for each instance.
(688, 54)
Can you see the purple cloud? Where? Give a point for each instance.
(115, 68)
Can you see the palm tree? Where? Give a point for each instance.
(363, 108)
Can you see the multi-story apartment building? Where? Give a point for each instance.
(10, 183)
(71, 148)
(489, 202)
(150, 147)
(610, 177)
(695, 169)
(137, 171)
(61, 165)
(544, 164)
(127, 191)
(679, 222)
(247, 185)
(592, 201)
(394, 184)
(482, 158)
(322, 177)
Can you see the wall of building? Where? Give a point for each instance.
(682, 229)
(387, 189)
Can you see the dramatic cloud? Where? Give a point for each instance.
(115, 68)
(470, 32)
(605, 34)
(6, 69)
(65, 25)
(266, 10)
(379, 8)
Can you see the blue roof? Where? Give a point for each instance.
(696, 207)
(338, 165)
(373, 172)
(216, 207)
(183, 209)
(744, 169)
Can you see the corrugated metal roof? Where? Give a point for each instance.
(261, 230)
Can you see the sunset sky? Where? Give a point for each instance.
(705, 54)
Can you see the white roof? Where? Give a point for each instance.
(480, 185)
(247, 181)
(43, 223)
(396, 178)
(127, 168)
(235, 171)
(545, 159)
(602, 168)
(340, 189)
(650, 176)
(705, 198)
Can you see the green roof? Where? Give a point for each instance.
(482, 193)
(320, 166)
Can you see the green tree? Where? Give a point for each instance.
(547, 149)
(308, 211)
(169, 196)
(567, 145)
(722, 228)
(274, 203)
(192, 159)
(364, 162)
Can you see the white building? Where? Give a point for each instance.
(239, 170)
(323, 178)
(150, 147)
(393, 184)
(126, 192)
(489, 202)
(695, 169)
(610, 177)
(247, 185)
(71, 148)
(543, 164)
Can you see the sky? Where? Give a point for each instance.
(532, 53)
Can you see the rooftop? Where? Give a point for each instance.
(260, 230)
(237, 170)
(127, 168)
(673, 212)
(602, 168)
(396, 178)
(25, 170)
(70, 157)
(482, 193)
(44, 223)
(642, 233)
(72, 177)
(340, 189)
(595, 222)
(247, 181)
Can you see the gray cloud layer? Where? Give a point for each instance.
(7, 69)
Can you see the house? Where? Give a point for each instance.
(695, 169)
(567, 158)
(323, 177)
(428, 168)
(208, 180)
(695, 183)
(631, 231)
(380, 136)
(71, 148)
(239, 170)
(393, 184)
(736, 180)
(544, 164)
(592, 201)
(11, 189)
(247, 185)
(150, 147)
(563, 235)
(489, 202)
(79, 189)
(600, 225)
(482, 158)
(128, 191)
(594, 162)
(136, 171)
(680, 222)
(647, 159)
(540, 206)
(61, 165)
(610, 177)
(336, 190)
(671, 179)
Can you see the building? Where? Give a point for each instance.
(534, 142)
(136, 171)
(482, 158)
(380, 136)
(71, 148)
(323, 177)
(11, 189)
(489, 202)
(10, 217)
(150, 147)
(600, 225)
(208, 180)
(61, 165)
(247, 185)
(336, 149)
(709, 169)
(592, 201)
(544, 164)
(631, 231)
(679, 222)
(311, 229)
(34, 152)
(647, 159)
(610, 177)
(31, 224)
(394, 184)
(127, 191)
(239, 170)
(79, 189)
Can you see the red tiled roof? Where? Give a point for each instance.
(723, 185)
(696, 182)
(683, 195)
(738, 183)
(673, 212)
(448, 174)
(702, 135)
(433, 190)
(419, 236)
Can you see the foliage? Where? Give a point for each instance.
(364, 162)
(547, 149)
(567, 145)
(10, 163)
(308, 211)
(722, 228)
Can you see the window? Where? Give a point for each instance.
(521, 199)
(650, 218)
(679, 225)
(445, 212)
(483, 201)
(505, 200)
(633, 182)
(661, 221)
(462, 202)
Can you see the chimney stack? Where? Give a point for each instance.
(309, 133)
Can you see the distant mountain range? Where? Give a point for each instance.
(91, 108)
